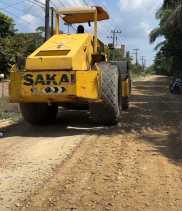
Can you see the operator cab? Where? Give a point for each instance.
(81, 15)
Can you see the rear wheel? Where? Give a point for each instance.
(123, 68)
(107, 112)
(38, 113)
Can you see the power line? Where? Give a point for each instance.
(10, 5)
(85, 2)
(28, 9)
(15, 15)
(61, 3)
(23, 10)
(54, 5)
(37, 3)
(7, 10)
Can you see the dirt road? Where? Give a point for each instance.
(75, 166)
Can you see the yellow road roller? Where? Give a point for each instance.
(71, 71)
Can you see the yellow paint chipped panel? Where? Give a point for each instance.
(87, 85)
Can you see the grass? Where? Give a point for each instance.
(8, 111)
(137, 76)
(13, 116)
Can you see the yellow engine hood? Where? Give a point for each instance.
(63, 52)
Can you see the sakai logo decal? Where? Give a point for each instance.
(47, 79)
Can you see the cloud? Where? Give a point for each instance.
(146, 27)
(28, 18)
(130, 5)
(31, 21)
(68, 2)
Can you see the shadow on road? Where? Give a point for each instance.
(154, 117)
(68, 123)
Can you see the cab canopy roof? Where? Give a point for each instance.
(83, 14)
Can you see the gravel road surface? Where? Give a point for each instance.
(76, 166)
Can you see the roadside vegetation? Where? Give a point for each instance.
(169, 52)
(9, 111)
(137, 73)
(14, 44)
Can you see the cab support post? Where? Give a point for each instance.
(57, 24)
(95, 31)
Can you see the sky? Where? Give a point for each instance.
(135, 18)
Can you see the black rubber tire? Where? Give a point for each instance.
(124, 74)
(39, 113)
(122, 68)
(125, 103)
(130, 84)
(176, 90)
(107, 112)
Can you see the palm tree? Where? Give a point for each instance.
(163, 15)
(170, 16)
(175, 19)
(170, 27)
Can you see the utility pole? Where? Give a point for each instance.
(116, 40)
(114, 36)
(136, 50)
(47, 29)
(143, 62)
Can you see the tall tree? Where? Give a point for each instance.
(13, 44)
(170, 28)
(7, 26)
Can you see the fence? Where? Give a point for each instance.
(4, 88)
